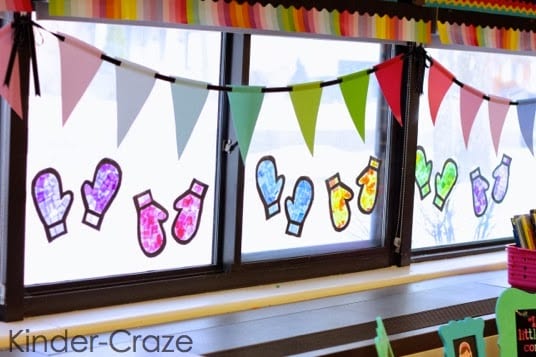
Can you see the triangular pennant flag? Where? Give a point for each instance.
(470, 101)
(354, 88)
(389, 75)
(439, 82)
(497, 110)
(189, 98)
(79, 64)
(134, 84)
(11, 93)
(245, 103)
(525, 114)
(306, 101)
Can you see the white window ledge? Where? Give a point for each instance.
(167, 310)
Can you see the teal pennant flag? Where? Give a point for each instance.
(354, 88)
(245, 103)
(306, 101)
(189, 98)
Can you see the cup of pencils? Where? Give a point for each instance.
(522, 254)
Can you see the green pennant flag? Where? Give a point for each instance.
(306, 101)
(245, 103)
(354, 88)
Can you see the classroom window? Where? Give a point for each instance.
(106, 189)
(468, 188)
(306, 197)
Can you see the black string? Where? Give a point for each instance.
(23, 36)
(420, 64)
(23, 32)
(461, 84)
(225, 88)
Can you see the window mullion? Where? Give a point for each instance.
(234, 70)
(411, 91)
(16, 133)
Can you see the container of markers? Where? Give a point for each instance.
(521, 267)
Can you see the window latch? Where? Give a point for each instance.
(397, 243)
(229, 145)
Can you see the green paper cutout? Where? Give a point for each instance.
(463, 338)
(444, 183)
(381, 341)
(515, 315)
(306, 101)
(423, 172)
(245, 103)
(354, 88)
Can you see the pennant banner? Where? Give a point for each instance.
(79, 64)
(245, 103)
(354, 89)
(389, 75)
(306, 101)
(189, 98)
(134, 84)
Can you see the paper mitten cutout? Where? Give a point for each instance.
(299, 205)
(51, 202)
(189, 206)
(98, 195)
(151, 218)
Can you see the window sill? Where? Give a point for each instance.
(164, 311)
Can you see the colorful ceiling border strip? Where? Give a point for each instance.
(247, 16)
(496, 38)
(497, 7)
(16, 5)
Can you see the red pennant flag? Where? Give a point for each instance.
(497, 110)
(439, 82)
(11, 92)
(389, 75)
(470, 101)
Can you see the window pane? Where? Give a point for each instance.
(344, 172)
(491, 186)
(123, 206)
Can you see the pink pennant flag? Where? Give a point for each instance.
(389, 75)
(470, 101)
(11, 93)
(439, 82)
(497, 110)
(79, 64)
